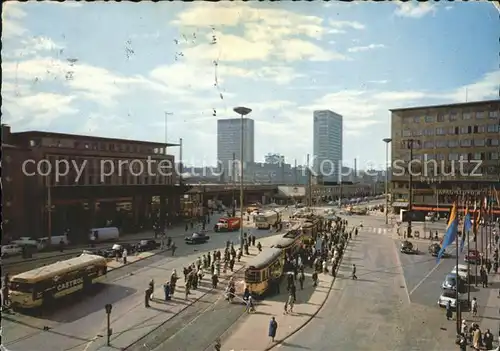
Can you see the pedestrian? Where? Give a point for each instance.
(315, 278)
(173, 249)
(488, 340)
(124, 256)
(301, 280)
(166, 290)
(147, 297)
(474, 307)
(354, 276)
(449, 312)
(217, 345)
(291, 302)
(273, 327)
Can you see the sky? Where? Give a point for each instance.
(122, 69)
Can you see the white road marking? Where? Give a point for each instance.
(424, 278)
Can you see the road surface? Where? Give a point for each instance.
(392, 306)
(76, 327)
(372, 313)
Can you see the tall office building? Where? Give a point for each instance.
(327, 148)
(229, 142)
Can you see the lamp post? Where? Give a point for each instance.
(242, 111)
(410, 144)
(387, 141)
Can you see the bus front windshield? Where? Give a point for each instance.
(21, 287)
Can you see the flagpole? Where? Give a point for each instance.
(467, 213)
(490, 218)
(459, 319)
(476, 216)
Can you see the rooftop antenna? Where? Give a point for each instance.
(466, 95)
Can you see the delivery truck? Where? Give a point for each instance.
(227, 224)
(267, 219)
(99, 235)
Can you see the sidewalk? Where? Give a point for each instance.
(252, 332)
(138, 321)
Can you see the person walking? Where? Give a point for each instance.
(273, 327)
(354, 276)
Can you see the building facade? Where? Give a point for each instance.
(78, 182)
(327, 149)
(455, 147)
(229, 142)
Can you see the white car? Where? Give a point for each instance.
(450, 295)
(463, 272)
(11, 250)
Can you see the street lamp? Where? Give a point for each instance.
(242, 111)
(387, 141)
(410, 144)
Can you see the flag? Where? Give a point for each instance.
(495, 192)
(451, 231)
(477, 214)
(466, 227)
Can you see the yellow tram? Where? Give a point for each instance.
(264, 270)
(44, 284)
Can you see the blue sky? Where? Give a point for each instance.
(114, 69)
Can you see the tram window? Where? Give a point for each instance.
(21, 287)
(252, 276)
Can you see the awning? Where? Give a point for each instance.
(400, 204)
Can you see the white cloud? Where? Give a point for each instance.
(366, 48)
(83, 81)
(268, 33)
(346, 25)
(413, 10)
(12, 17)
(486, 88)
(448, 8)
(106, 125)
(37, 109)
(34, 45)
(364, 108)
(390, 96)
(382, 81)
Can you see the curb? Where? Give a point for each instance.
(279, 342)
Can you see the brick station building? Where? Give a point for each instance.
(37, 202)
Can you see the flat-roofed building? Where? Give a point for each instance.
(78, 182)
(455, 147)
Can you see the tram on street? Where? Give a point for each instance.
(264, 271)
(43, 285)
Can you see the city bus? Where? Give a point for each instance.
(43, 285)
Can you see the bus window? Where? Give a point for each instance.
(252, 276)
(21, 287)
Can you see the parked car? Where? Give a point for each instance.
(450, 295)
(147, 245)
(11, 250)
(473, 256)
(197, 238)
(434, 250)
(407, 247)
(98, 252)
(462, 271)
(450, 283)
